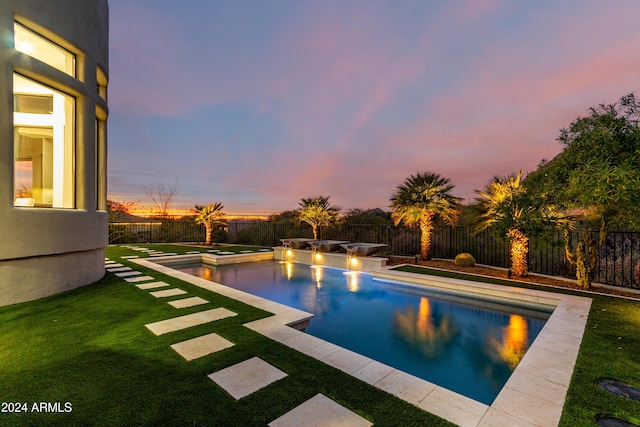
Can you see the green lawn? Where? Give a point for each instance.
(89, 347)
(610, 350)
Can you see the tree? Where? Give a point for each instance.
(597, 174)
(376, 216)
(511, 212)
(317, 212)
(421, 199)
(286, 217)
(161, 191)
(212, 217)
(120, 211)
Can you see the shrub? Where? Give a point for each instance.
(465, 260)
(219, 236)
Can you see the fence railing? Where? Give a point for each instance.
(616, 262)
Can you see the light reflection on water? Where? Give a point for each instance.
(451, 341)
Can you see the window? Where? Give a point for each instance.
(101, 165)
(36, 46)
(101, 79)
(43, 121)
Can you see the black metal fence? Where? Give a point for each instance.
(155, 232)
(616, 262)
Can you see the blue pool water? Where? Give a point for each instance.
(455, 342)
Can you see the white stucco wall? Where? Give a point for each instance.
(45, 250)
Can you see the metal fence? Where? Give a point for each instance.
(155, 232)
(616, 262)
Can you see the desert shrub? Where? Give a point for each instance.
(219, 236)
(465, 260)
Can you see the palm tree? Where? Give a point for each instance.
(514, 214)
(316, 211)
(211, 216)
(420, 200)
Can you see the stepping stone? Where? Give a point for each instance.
(118, 270)
(246, 252)
(168, 293)
(214, 250)
(247, 377)
(613, 422)
(128, 274)
(152, 285)
(201, 346)
(226, 253)
(192, 252)
(113, 265)
(187, 302)
(620, 389)
(264, 250)
(108, 261)
(320, 411)
(130, 256)
(189, 320)
(139, 279)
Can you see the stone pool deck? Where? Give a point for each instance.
(533, 396)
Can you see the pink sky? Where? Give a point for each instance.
(259, 104)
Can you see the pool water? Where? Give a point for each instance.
(466, 345)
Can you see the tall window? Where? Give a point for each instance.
(43, 121)
(36, 46)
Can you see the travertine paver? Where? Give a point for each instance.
(152, 285)
(214, 250)
(247, 377)
(118, 269)
(188, 302)
(407, 387)
(192, 252)
(201, 346)
(139, 279)
(128, 274)
(320, 411)
(246, 252)
(225, 253)
(130, 256)
(168, 293)
(454, 407)
(189, 320)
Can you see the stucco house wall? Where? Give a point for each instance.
(47, 250)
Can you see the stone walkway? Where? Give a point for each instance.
(241, 379)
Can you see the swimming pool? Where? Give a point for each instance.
(467, 345)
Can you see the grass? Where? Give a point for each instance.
(182, 249)
(610, 350)
(89, 347)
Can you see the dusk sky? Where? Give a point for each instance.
(257, 104)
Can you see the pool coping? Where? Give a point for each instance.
(534, 395)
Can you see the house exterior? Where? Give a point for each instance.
(54, 69)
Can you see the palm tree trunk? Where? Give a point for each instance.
(519, 251)
(209, 231)
(426, 227)
(315, 232)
